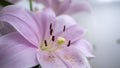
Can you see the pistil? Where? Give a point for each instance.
(60, 40)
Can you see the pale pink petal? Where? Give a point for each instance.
(54, 4)
(49, 3)
(72, 31)
(22, 21)
(64, 5)
(45, 18)
(61, 21)
(50, 60)
(73, 58)
(77, 7)
(83, 47)
(59, 6)
(16, 52)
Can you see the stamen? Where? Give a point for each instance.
(64, 28)
(69, 43)
(45, 42)
(50, 26)
(53, 38)
(51, 31)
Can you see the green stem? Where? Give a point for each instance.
(30, 4)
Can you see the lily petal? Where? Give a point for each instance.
(16, 52)
(73, 33)
(22, 21)
(45, 18)
(84, 47)
(61, 21)
(50, 60)
(73, 58)
(66, 6)
(76, 7)
(63, 6)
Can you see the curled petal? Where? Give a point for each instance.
(16, 52)
(22, 21)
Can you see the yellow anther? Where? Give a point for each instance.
(61, 40)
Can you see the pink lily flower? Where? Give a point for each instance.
(66, 6)
(42, 38)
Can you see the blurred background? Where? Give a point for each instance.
(103, 31)
(103, 26)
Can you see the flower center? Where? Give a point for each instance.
(53, 44)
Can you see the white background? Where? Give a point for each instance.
(103, 26)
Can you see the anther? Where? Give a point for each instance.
(45, 42)
(51, 31)
(69, 43)
(50, 26)
(64, 28)
(53, 38)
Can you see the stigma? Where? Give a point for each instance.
(61, 40)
